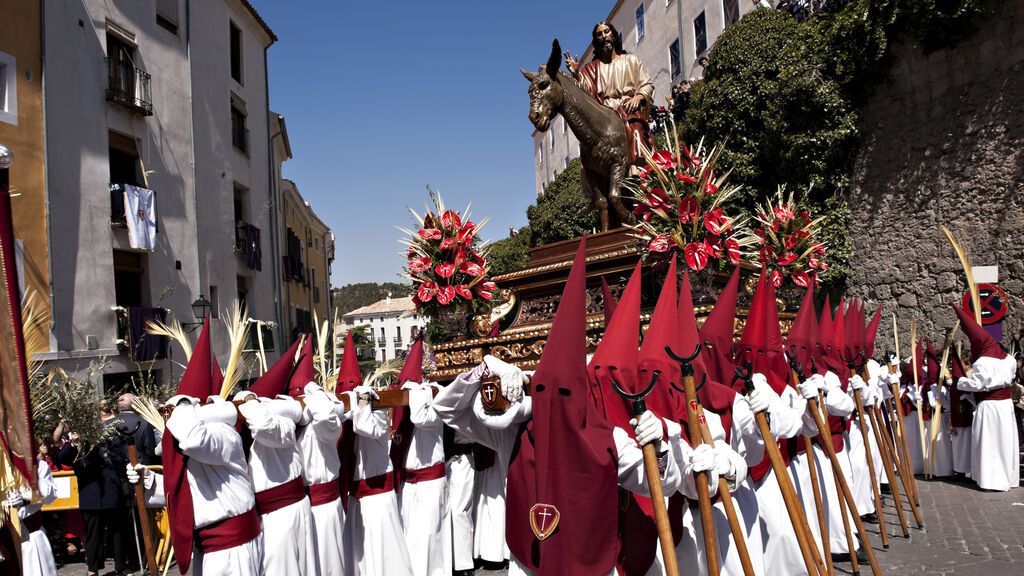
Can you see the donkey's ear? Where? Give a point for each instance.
(555, 60)
(528, 75)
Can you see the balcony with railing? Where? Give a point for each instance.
(248, 244)
(129, 86)
(132, 335)
(381, 342)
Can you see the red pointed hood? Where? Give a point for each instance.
(564, 442)
(826, 357)
(609, 302)
(852, 329)
(412, 369)
(349, 376)
(617, 356)
(982, 344)
(304, 372)
(761, 342)
(932, 362)
(276, 380)
(197, 381)
(803, 332)
(871, 332)
(402, 428)
(839, 330)
(662, 332)
(718, 330)
(713, 394)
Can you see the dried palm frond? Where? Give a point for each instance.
(237, 325)
(32, 323)
(380, 379)
(148, 411)
(262, 353)
(174, 331)
(971, 285)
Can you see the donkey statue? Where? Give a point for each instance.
(604, 141)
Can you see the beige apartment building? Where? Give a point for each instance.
(668, 36)
(154, 181)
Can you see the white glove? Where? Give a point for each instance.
(138, 471)
(831, 382)
(366, 391)
(244, 395)
(511, 377)
(648, 429)
(702, 459)
(410, 385)
(132, 474)
(809, 388)
(14, 499)
(756, 400)
(723, 464)
(252, 411)
(857, 383)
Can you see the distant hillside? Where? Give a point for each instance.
(352, 296)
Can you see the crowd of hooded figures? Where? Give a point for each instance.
(781, 450)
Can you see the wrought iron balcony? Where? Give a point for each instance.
(129, 86)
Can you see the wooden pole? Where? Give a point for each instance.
(863, 425)
(907, 475)
(812, 469)
(883, 447)
(707, 521)
(844, 489)
(140, 504)
(797, 518)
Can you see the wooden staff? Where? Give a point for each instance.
(812, 561)
(863, 425)
(844, 489)
(694, 418)
(908, 468)
(933, 430)
(668, 545)
(812, 469)
(883, 447)
(140, 501)
(917, 386)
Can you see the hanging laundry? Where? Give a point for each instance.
(140, 214)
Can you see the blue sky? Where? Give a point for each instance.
(383, 98)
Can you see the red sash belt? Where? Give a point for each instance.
(33, 523)
(324, 493)
(1000, 394)
(425, 474)
(273, 499)
(229, 532)
(375, 485)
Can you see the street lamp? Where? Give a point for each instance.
(201, 308)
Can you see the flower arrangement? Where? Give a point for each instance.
(447, 262)
(787, 250)
(683, 206)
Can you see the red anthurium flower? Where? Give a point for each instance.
(712, 246)
(445, 270)
(784, 213)
(714, 221)
(660, 243)
(642, 211)
(775, 277)
(464, 291)
(657, 199)
(467, 232)
(664, 159)
(685, 178)
(448, 243)
(800, 278)
(488, 286)
(787, 259)
(689, 209)
(711, 188)
(813, 262)
(805, 216)
(732, 248)
(775, 226)
(419, 264)
(427, 291)
(430, 234)
(445, 295)
(791, 241)
(818, 249)
(471, 268)
(645, 172)
(450, 219)
(484, 294)
(696, 256)
(687, 158)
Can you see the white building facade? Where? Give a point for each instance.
(170, 96)
(668, 36)
(392, 323)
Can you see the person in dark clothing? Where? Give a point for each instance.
(102, 500)
(145, 435)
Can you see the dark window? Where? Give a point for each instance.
(236, 53)
(640, 22)
(239, 132)
(215, 301)
(243, 291)
(731, 10)
(673, 59)
(700, 34)
(124, 160)
(127, 84)
(167, 15)
(129, 272)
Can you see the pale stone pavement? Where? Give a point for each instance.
(967, 532)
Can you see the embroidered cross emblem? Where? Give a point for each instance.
(543, 520)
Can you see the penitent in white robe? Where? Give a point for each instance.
(374, 523)
(459, 532)
(961, 440)
(36, 554)
(318, 442)
(425, 504)
(837, 403)
(459, 406)
(995, 456)
(218, 478)
(274, 459)
(940, 453)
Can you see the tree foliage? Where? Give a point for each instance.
(562, 211)
(509, 254)
(352, 296)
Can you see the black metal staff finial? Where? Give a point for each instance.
(856, 362)
(686, 367)
(129, 435)
(639, 406)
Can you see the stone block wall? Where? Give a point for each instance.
(942, 144)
